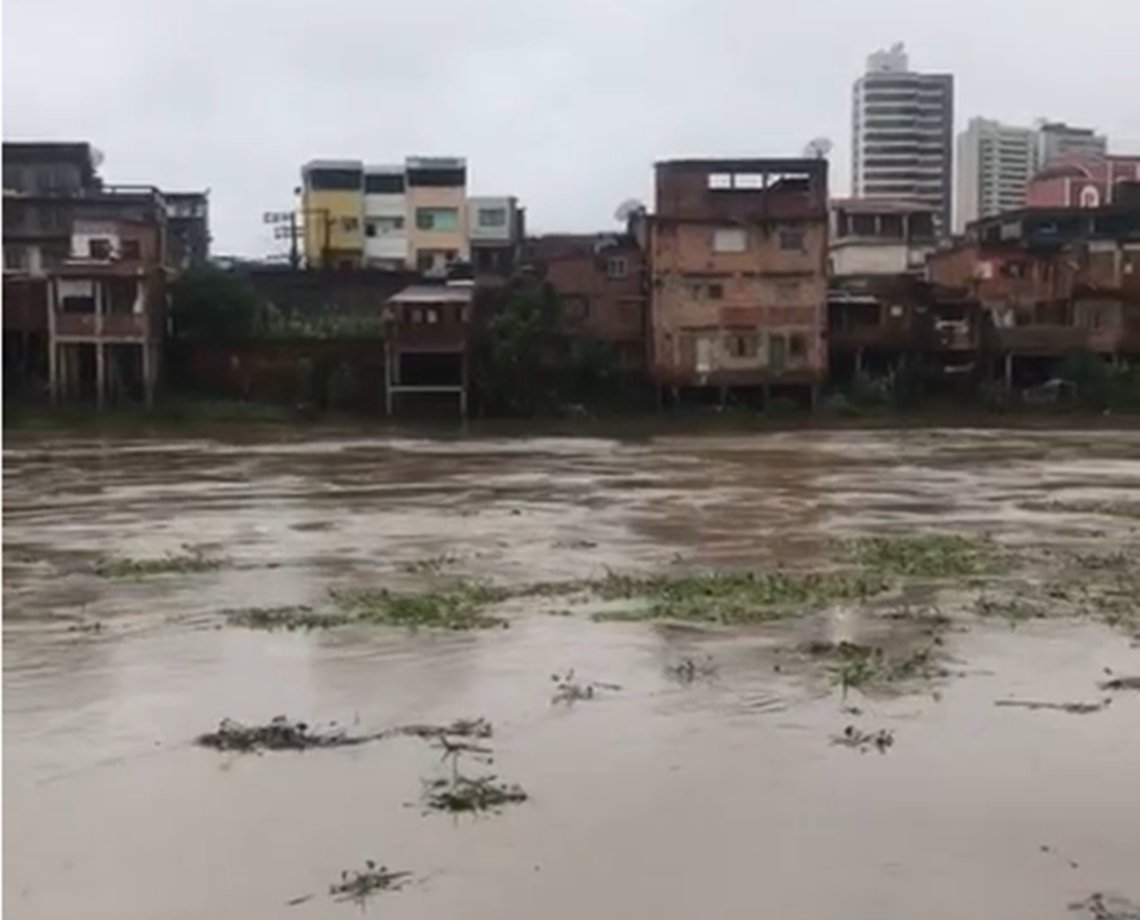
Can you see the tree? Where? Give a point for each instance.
(211, 304)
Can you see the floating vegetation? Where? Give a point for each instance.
(359, 884)
(1014, 609)
(190, 560)
(462, 793)
(688, 670)
(289, 617)
(279, 734)
(458, 607)
(1079, 709)
(1106, 907)
(732, 597)
(1121, 683)
(568, 690)
(860, 666)
(430, 565)
(471, 794)
(862, 741)
(1125, 509)
(926, 555)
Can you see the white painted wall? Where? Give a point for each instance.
(877, 258)
(387, 244)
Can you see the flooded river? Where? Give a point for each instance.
(722, 796)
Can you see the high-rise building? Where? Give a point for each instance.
(995, 164)
(1057, 141)
(902, 133)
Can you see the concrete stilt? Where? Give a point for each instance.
(149, 373)
(100, 375)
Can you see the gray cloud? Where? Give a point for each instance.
(565, 103)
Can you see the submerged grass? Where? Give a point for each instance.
(863, 666)
(459, 606)
(732, 597)
(189, 560)
(926, 555)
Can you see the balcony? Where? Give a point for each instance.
(108, 325)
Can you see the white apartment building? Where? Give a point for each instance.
(1057, 140)
(902, 134)
(385, 217)
(995, 164)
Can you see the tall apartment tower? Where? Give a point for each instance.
(903, 133)
(995, 164)
(1057, 140)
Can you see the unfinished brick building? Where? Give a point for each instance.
(599, 279)
(738, 277)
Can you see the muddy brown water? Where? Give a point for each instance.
(721, 798)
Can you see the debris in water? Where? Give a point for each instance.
(1121, 683)
(358, 885)
(569, 691)
(290, 617)
(1079, 709)
(688, 670)
(863, 741)
(1101, 907)
(462, 793)
(280, 734)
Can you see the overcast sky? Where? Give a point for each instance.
(565, 103)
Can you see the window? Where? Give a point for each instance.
(439, 219)
(787, 291)
(379, 226)
(492, 217)
(15, 257)
(730, 239)
(431, 316)
(99, 248)
(576, 309)
(797, 346)
(350, 224)
(792, 239)
(340, 180)
(617, 267)
(384, 184)
(742, 346)
(131, 250)
(716, 291)
(720, 180)
(425, 260)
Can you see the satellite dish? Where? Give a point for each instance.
(627, 209)
(817, 148)
(96, 157)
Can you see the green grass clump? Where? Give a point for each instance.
(457, 607)
(188, 561)
(861, 666)
(733, 597)
(926, 555)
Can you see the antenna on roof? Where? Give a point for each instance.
(817, 148)
(627, 209)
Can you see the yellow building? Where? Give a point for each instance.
(332, 213)
(414, 216)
